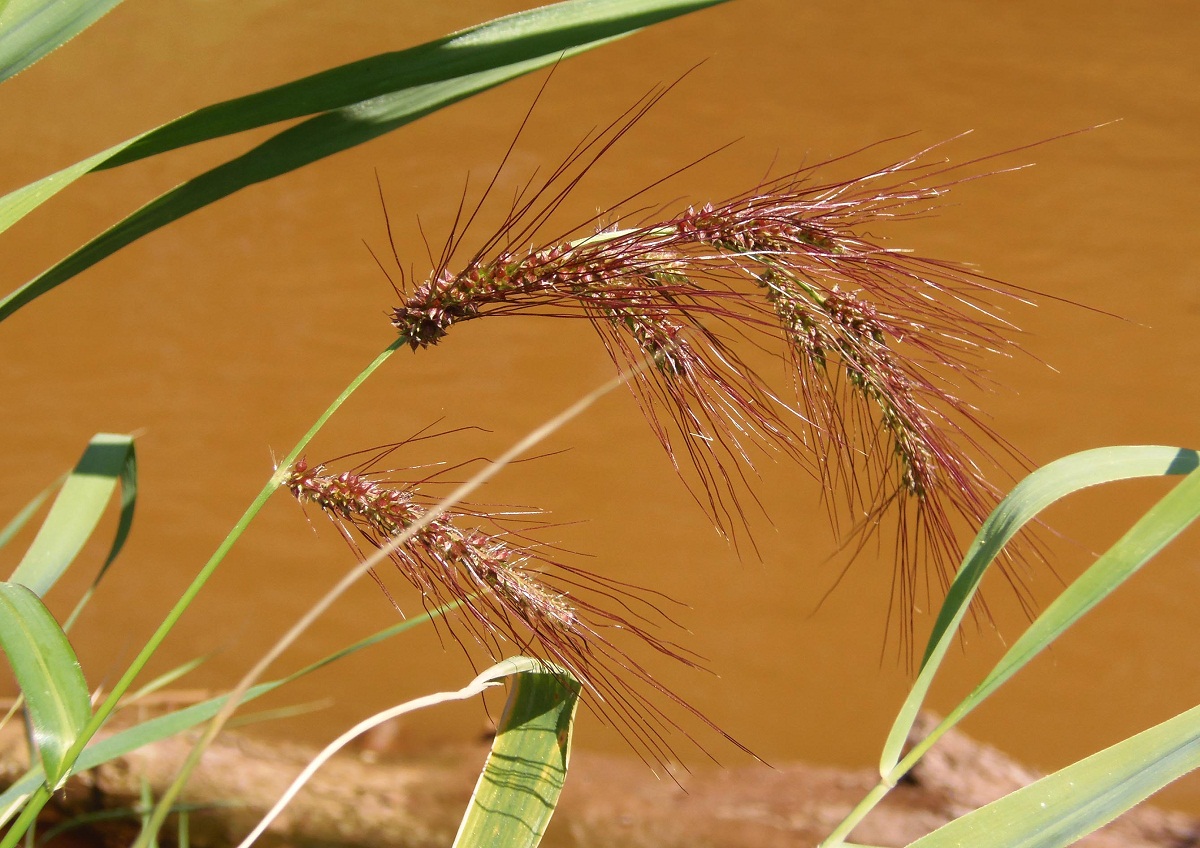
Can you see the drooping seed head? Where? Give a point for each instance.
(880, 343)
(878, 340)
(510, 598)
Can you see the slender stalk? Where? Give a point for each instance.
(888, 782)
(28, 816)
(918, 750)
(39, 799)
(475, 687)
(868, 803)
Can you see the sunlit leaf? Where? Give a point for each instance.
(1032, 495)
(530, 711)
(19, 520)
(545, 34)
(29, 29)
(166, 679)
(357, 102)
(20, 202)
(519, 788)
(107, 461)
(48, 675)
(1069, 804)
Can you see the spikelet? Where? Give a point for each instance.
(511, 599)
(879, 344)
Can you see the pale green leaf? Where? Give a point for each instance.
(18, 203)
(19, 520)
(1063, 807)
(108, 460)
(165, 679)
(48, 675)
(481, 683)
(1032, 495)
(29, 29)
(1169, 517)
(519, 788)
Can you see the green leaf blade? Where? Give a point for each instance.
(20, 202)
(426, 78)
(519, 788)
(1152, 532)
(1032, 495)
(48, 674)
(30, 29)
(169, 724)
(108, 461)
(27, 512)
(1063, 807)
(541, 34)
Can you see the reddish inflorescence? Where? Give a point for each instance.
(509, 598)
(879, 343)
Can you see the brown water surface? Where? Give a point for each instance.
(221, 337)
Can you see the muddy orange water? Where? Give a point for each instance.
(221, 337)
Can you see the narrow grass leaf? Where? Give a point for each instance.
(145, 805)
(48, 675)
(80, 821)
(1069, 804)
(357, 102)
(29, 29)
(544, 33)
(108, 460)
(519, 788)
(1032, 495)
(12, 806)
(166, 679)
(307, 142)
(20, 202)
(22, 518)
(1162, 523)
(167, 725)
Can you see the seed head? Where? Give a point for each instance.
(879, 343)
(509, 594)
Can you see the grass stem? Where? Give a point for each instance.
(852, 819)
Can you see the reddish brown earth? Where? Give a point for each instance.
(354, 800)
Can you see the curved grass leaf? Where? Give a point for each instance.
(48, 674)
(1037, 491)
(14, 804)
(1069, 804)
(29, 29)
(358, 102)
(109, 459)
(519, 788)
(50, 836)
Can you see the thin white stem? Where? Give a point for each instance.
(475, 687)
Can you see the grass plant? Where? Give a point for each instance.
(874, 346)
